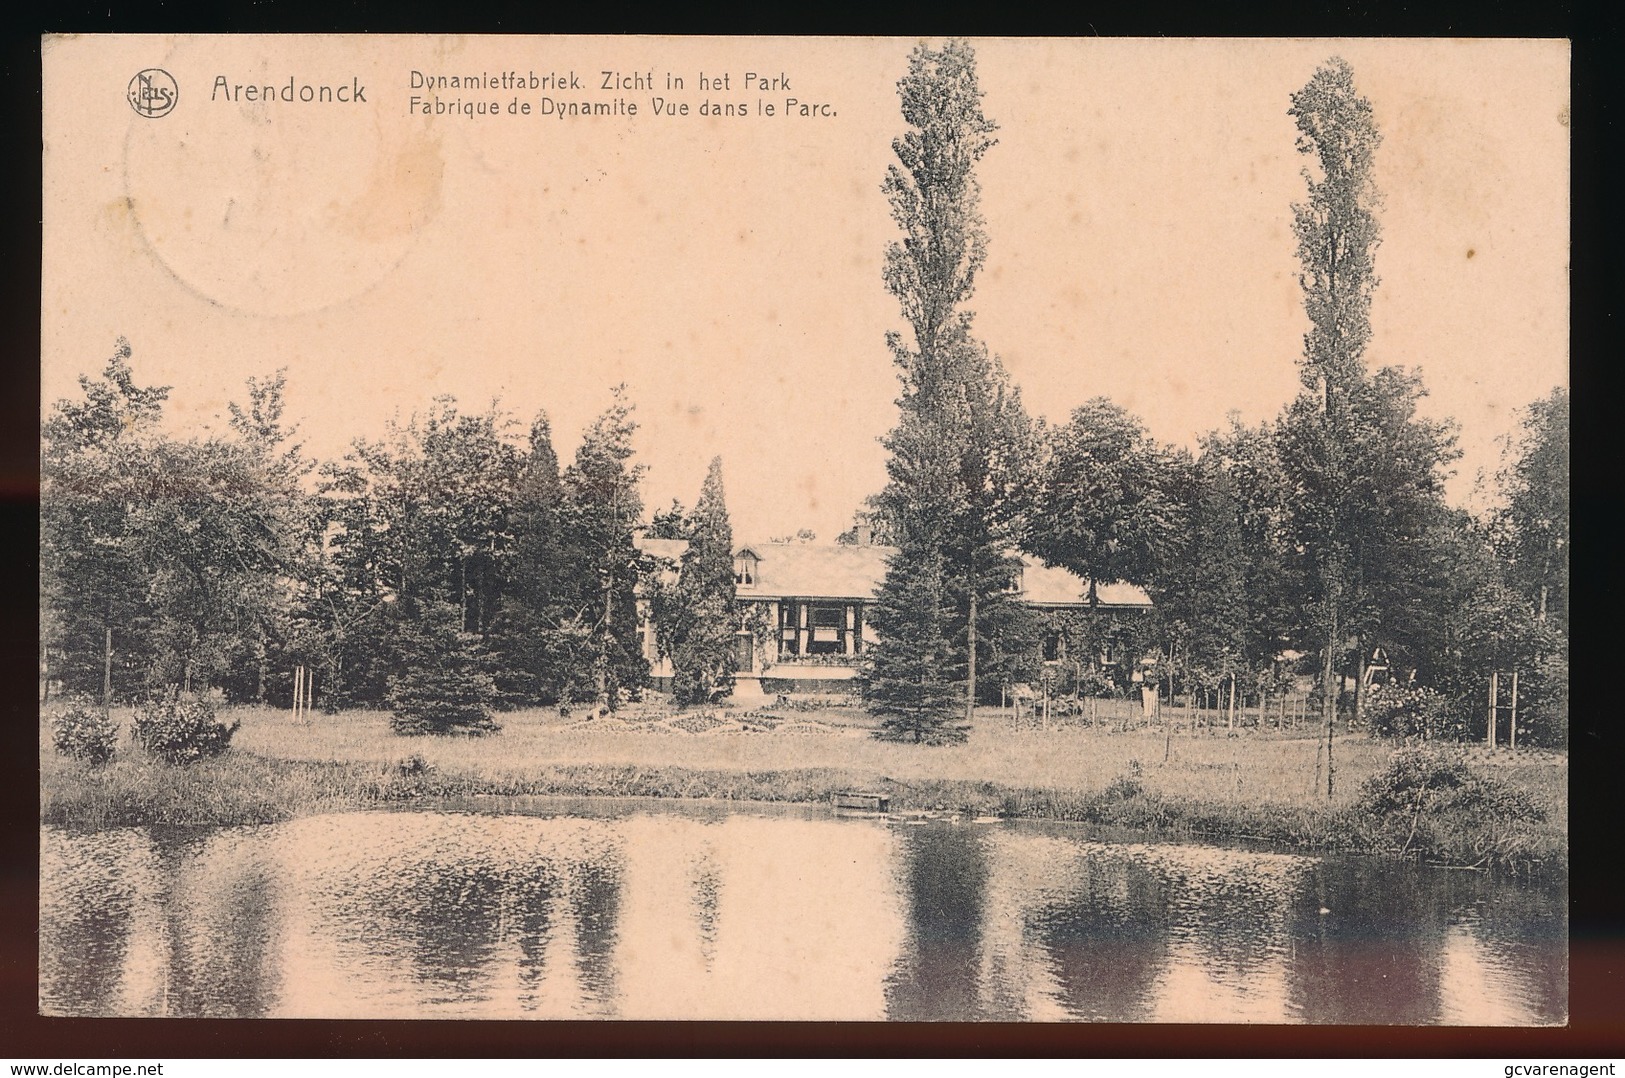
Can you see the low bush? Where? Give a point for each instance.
(85, 732)
(1395, 710)
(1431, 802)
(182, 729)
(1127, 785)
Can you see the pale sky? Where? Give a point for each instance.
(728, 268)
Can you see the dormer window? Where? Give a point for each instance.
(1013, 584)
(745, 567)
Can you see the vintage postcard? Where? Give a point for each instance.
(805, 528)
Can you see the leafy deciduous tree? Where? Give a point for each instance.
(601, 508)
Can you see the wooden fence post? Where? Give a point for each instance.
(1512, 736)
(1489, 734)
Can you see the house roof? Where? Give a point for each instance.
(816, 571)
(1043, 585)
(669, 549)
(834, 571)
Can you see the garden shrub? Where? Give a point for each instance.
(1395, 710)
(1431, 802)
(414, 766)
(182, 729)
(1127, 785)
(84, 731)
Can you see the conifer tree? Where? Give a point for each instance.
(602, 506)
(697, 615)
(442, 685)
(908, 684)
(528, 640)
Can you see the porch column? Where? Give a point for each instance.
(801, 629)
(849, 637)
(770, 653)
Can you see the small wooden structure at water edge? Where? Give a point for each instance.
(860, 801)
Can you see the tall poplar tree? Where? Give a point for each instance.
(1365, 471)
(1337, 232)
(957, 454)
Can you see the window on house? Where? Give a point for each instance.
(744, 569)
(824, 624)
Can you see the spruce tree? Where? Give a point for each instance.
(601, 508)
(908, 684)
(528, 640)
(442, 685)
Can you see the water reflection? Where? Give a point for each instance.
(937, 978)
(218, 921)
(88, 890)
(659, 912)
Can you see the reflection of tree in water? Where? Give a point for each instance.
(597, 897)
(450, 915)
(219, 905)
(447, 917)
(525, 910)
(1373, 958)
(936, 976)
(705, 881)
(86, 903)
(1238, 915)
(1106, 936)
(1525, 931)
(1529, 926)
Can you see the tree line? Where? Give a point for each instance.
(449, 567)
(1316, 539)
(454, 565)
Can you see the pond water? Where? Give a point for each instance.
(571, 909)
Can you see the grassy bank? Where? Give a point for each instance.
(1258, 784)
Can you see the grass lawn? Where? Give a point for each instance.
(1253, 783)
(1251, 767)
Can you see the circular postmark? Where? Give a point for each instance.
(153, 93)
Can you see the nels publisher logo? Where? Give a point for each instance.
(153, 93)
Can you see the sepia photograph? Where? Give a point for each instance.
(780, 529)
